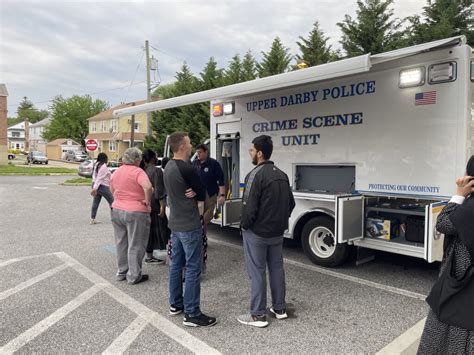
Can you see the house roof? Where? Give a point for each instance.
(41, 123)
(108, 114)
(61, 141)
(19, 126)
(101, 136)
(3, 90)
(126, 136)
(121, 136)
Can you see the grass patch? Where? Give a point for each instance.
(27, 170)
(79, 182)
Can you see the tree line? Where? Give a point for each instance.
(373, 30)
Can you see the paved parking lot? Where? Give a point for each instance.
(58, 293)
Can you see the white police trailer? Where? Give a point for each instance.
(372, 145)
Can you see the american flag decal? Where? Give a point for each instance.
(425, 98)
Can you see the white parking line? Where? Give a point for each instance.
(124, 340)
(15, 260)
(165, 326)
(45, 324)
(338, 275)
(407, 343)
(32, 281)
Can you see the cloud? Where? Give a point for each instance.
(49, 48)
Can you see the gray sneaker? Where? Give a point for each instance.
(249, 319)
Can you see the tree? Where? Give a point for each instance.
(249, 67)
(276, 61)
(27, 110)
(374, 31)
(314, 49)
(193, 119)
(211, 77)
(69, 117)
(443, 19)
(233, 74)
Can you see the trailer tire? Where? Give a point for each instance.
(320, 245)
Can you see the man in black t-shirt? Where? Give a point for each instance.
(186, 233)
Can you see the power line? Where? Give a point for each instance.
(168, 54)
(92, 93)
(134, 75)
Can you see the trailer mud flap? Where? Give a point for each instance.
(349, 218)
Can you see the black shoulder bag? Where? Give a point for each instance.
(451, 298)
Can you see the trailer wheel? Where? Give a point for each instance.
(319, 242)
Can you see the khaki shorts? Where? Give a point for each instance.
(209, 207)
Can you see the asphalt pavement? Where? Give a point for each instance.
(58, 292)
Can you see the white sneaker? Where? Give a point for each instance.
(279, 314)
(248, 319)
(94, 221)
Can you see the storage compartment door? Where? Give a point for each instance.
(349, 218)
(230, 214)
(433, 238)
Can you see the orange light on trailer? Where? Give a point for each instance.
(217, 110)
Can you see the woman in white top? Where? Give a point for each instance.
(101, 185)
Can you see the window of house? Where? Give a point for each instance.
(93, 127)
(15, 134)
(112, 146)
(137, 126)
(103, 126)
(114, 125)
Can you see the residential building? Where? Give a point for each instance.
(3, 125)
(16, 136)
(36, 140)
(113, 134)
(57, 149)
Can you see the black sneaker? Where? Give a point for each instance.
(143, 278)
(175, 310)
(279, 313)
(199, 321)
(154, 260)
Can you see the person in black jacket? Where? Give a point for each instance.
(266, 207)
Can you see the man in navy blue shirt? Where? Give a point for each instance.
(212, 178)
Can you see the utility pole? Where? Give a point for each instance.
(148, 87)
(27, 134)
(132, 129)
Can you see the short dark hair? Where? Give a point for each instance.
(176, 139)
(164, 161)
(264, 144)
(202, 146)
(148, 155)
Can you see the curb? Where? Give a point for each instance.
(407, 343)
(38, 174)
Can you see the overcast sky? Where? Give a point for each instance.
(51, 48)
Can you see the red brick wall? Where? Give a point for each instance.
(3, 120)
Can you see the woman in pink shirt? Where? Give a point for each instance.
(100, 185)
(132, 192)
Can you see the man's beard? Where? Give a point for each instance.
(255, 161)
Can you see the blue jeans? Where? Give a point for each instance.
(186, 252)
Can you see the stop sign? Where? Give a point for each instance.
(91, 144)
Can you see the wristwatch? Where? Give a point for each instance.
(221, 195)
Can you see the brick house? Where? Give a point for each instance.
(3, 125)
